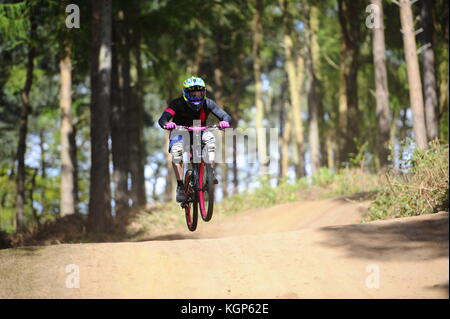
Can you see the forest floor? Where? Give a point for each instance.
(307, 249)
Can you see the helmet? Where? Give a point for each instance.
(194, 92)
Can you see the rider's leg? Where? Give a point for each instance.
(177, 163)
(177, 159)
(209, 140)
(178, 169)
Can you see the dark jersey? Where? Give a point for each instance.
(182, 114)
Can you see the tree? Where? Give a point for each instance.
(294, 88)
(381, 84)
(119, 118)
(257, 32)
(67, 204)
(429, 74)
(285, 130)
(23, 126)
(352, 36)
(412, 65)
(119, 136)
(99, 216)
(312, 58)
(137, 154)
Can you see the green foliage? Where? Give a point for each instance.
(14, 24)
(346, 181)
(358, 158)
(323, 177)
(325, 184)
(422, 189)
(263, 196)
(7, 200)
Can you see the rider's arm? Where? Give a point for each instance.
(218, 112)
(167, 115)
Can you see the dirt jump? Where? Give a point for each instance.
(309, 249)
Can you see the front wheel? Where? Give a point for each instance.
(191, 204)
(206, 192)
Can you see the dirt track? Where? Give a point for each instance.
(297, 250)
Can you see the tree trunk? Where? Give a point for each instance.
(126, 110)
(331, 152)
(351, 36)
(67, 204)
(236, 99)
(412, 66)
(23, 129)
(393, 133)
(219, 97)
(343, 107)
(235, 171)
(99, 217)
(170, 187)
(43, 173)
(429, 74)
(257, 43)
(73, 155)
(195, 66)
(440, 18)
(313, 89)
(135, 109)
(156, 176)
(297, 122)
(381, 85)
(294, 87)
(285, 139)
(119, 144)
(31, 197)
(139, 100)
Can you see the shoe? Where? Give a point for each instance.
(181, 196)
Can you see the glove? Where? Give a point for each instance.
(170, 126)
(224, 124)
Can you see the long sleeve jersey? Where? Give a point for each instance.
(182, 114)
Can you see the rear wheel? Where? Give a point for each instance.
(206, 194)
(191, 205)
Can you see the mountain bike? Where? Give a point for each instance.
(198, 185)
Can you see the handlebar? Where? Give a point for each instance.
(197, 128)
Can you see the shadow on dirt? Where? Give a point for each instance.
(28, 251)
(408, 240)
(174, 236)
(357, 197)
(442, 287)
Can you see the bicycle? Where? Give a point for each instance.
(198, 186)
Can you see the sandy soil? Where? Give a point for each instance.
(313, 249)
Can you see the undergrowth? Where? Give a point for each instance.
(421, 188)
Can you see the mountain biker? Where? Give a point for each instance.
(183, 111)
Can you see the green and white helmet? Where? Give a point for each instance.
(194, 92)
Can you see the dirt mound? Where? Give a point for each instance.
(5, 240)
(63, 229)
(402, 258)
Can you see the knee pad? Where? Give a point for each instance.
(177, 152)
(210, 141)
